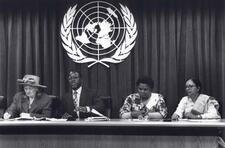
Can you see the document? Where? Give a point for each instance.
(97, 113)
(100, 118)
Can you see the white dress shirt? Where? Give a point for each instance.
(78, 91)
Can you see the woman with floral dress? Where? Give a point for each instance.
(144, 104)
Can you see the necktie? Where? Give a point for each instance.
(75, 99)
(75, 102)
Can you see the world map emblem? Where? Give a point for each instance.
(98, 32)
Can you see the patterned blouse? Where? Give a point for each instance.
(133, 102)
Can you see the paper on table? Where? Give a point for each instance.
(24, 118)
(101, 118)
(55, 119)
(97, 119)
(97, 113)
(200, 120)
(203, 120)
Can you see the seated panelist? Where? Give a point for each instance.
(31, 102)
(196, 105)
(79, 101)
(144, 104)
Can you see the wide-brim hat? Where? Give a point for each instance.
(31, 80)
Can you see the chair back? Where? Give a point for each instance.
(2, 105)
(55, 106)
(107, 101)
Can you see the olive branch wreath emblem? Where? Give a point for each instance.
(120, 54)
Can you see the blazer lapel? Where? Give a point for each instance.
(34, 105)
(70, 100)
(83, 97)
(25, 104)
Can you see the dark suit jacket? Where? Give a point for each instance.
(41, 106)
(88, 97)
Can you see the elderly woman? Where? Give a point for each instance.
(144, 104)
(196, 105)
(30, 102)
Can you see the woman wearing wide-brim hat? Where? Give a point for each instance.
(30, 102)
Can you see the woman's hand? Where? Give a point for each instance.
(190, 115)
(175, 116)
(6, 115)
(136, 114)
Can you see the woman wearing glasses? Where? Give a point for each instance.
(196, 105)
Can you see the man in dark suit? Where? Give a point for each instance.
(80, 100)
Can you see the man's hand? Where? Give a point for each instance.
(66, 116)
(81, 109)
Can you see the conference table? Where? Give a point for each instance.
(114, 133)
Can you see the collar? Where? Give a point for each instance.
(78, 90)
(153, 100)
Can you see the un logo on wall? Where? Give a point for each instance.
(98, 32)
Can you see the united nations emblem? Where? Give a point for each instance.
(98, 32)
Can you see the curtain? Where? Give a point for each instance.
(176, 40)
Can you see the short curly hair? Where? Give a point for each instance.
(146, 80)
